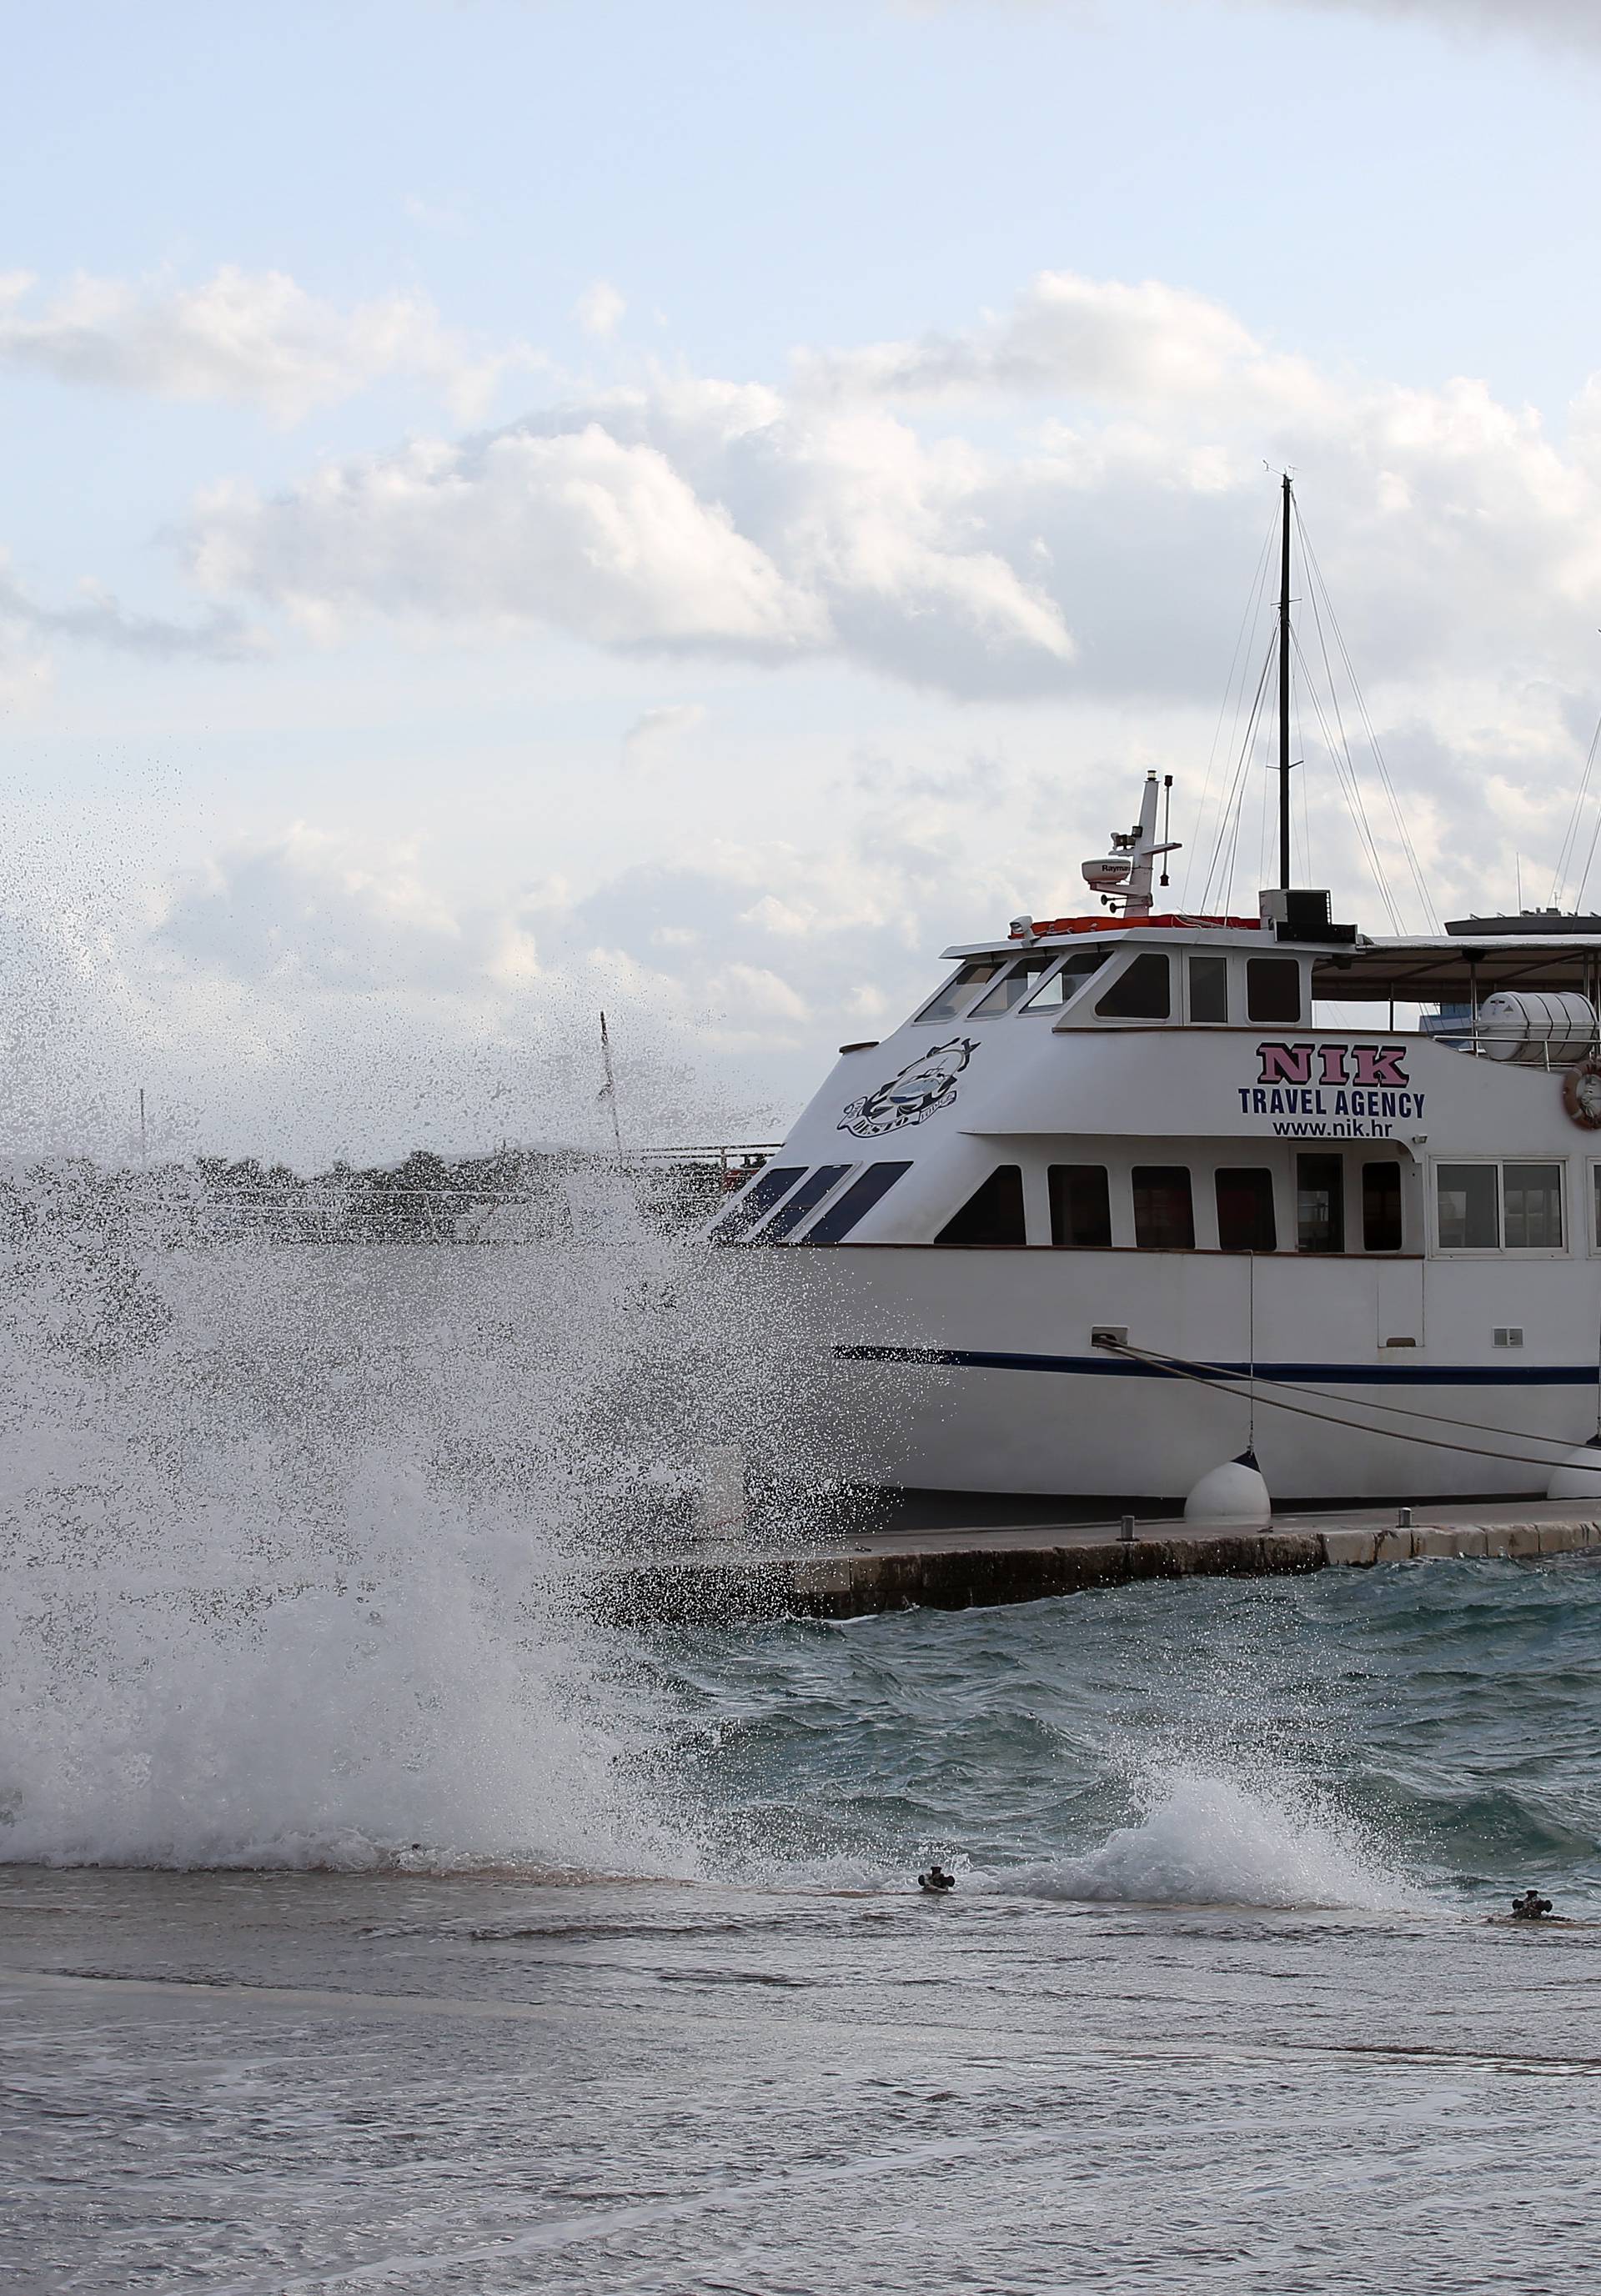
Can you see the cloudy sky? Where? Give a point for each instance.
(515, 505)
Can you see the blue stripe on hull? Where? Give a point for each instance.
(1106, 1366)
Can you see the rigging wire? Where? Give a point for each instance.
(1345, 774)
(1318, 584)
(1570, 843)
(1229, 815)
(1252, 608)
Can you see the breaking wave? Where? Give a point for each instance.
(1206, 1838)
(297, 1539)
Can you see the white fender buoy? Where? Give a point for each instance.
(1234, 1493)
(1579, 1475)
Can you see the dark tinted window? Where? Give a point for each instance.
(1141, 993)
(794, 1208)
(992, 1215)
(1081, 1207)
(1319, 1203)
(1209, 988)
(857, 1201)
(957, 995)
(1245, 1220)
(1272, 989)
(756, 1202)
(1381, 1208)
(1062, 986)
(1164, 1219)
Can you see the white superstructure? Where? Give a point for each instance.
(1122, 1183)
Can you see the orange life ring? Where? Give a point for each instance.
(1581, 1093)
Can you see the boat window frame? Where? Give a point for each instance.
(1043, 962)
(925, 1017)
(1260, 962)
(1501, 1248)
(1101, 956)
(1135, 958)
(1192, 956)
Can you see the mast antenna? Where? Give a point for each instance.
(1283, 690)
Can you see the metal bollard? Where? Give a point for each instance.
(1126, 1531)
(1403, 1519)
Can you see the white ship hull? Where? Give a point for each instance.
(974, 1371)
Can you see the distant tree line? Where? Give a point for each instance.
(511, 1195)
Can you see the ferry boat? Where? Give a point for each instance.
(1124, 1198)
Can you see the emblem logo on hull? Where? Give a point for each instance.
(922, 1089)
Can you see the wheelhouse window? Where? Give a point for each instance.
(1062, 986)
(1467, 1204)
(1381, 1208)
(1319, 1203)
(1081, 1207)
(1273, 988)
(756, 1201)
(803, 1200)
(1164, 1216)
(957, 995)
(992, 1217)
(1209, 987)
(1015, 985)
(1141, 991)
(1245, 1221)
(857, 1201)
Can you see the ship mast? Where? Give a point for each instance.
(1284, 693)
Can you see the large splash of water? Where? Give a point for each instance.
(295, 1535)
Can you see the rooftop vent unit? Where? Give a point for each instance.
(1297, 913)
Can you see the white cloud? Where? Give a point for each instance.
(306, 913)
(1575, 23)
(1132, 346)
(697, 516)
(599, 308)
(658, 732)
(98, 619)
(1103, 549)
(253, 337)
(597, 534)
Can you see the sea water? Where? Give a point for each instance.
(374, 1916)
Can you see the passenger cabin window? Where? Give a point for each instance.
(1467, 1202)
(1245, 1221)
(1014, 984)
(1141, 991)
(1499, 1207)
(805, 1199)
(1164, 1218)
(1062, 986)
(1081, 1207)
(1273, 988)
(859, 1200)
(957, 995)
(1209, 987)
(1531, 1206)
(1381, 1208)
(992, 1215)
(1319, 1203)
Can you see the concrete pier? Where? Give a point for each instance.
(965, 1567)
